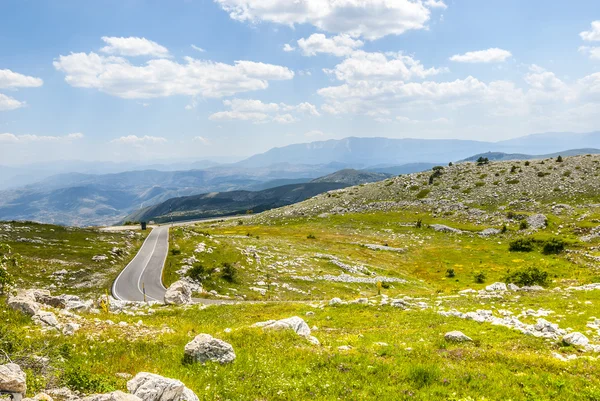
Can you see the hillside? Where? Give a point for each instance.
(230, 203)
(464, 185)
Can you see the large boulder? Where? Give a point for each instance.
(45, 318)
(13, 380)
(114, 396)
(497, 287)
(179, 293)
(207, 348)
(151, 387)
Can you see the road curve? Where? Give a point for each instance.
(145, 270)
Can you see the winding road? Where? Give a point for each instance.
(144, 272)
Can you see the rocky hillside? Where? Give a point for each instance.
(495, 184)
(352, 177)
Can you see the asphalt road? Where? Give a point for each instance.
(144, 272)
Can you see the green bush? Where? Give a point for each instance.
(175, 251)
(87, 382)
(553, 246)
(521, 245)
(523, 225)
(199, 273)
(228, 272)
(311, 236)
(423, 375)
(527, 276)
(450, 273)
(479, 277)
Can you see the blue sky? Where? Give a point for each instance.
(224, 79)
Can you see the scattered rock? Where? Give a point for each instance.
(537, 221)
(70, 328)
(335, 301)
(295, 323)
(496, 287)
(576, 339)
(179, 293)
(457, 336)
(489, 232)
(445, 229)
(206, 348)
(151, 387)
(13, 380)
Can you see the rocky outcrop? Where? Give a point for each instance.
(207, 348)
(179, 293)
(152, 387)
(445, 229)
(577, 339)
(13, 380)
(294, 323)
(24, 302)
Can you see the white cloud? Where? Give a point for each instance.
(12, 80)
(592, 35)
(135, 140)
(340, 45)
(199, 49)
(9, 103)
(314, 133)
(371, 19)
(161, 77)
(133, 47)
(12, 138)
(258, 112)
(288, 48)
(436, 4)
(493, 55)
(362, 65)
(592, 52)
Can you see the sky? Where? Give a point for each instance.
(135, 80)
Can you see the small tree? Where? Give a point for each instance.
(229, 272)
(482, 161)
(559, 159)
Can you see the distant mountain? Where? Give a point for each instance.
(369, 152)
(88, 199)
(352, 177)
(231, 203)
(500, 156)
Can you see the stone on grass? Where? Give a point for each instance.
(294, 323)
(24, 303)
(457, 336)
(39, 397)
(179, 293)
(537, 221)
(576, 339)
(335, 301)
(445, 229)
(152, 387)
(114, 396)
(13, 380)
(207, 348)
(496, 287)
(70, 328)
(47, 319)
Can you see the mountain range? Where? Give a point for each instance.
(84, 195)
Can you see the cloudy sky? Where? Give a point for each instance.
(224, 79)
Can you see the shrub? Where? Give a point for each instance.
(385, 285)
(450, 164)
(504, 229)
(175, 251)
(229, 272)
(87, 382)
(521, 245)
(542, 174)
(423, 193)
(512, 182)
(199, 273)
(513, 169)
(482, 161)
(419, 223)
(523, 225)
(311, 236)
(450, 273)
(527, 276)
(479, 277)
(553, 246)
(559, 159)
(480, 184)
(527, 163)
